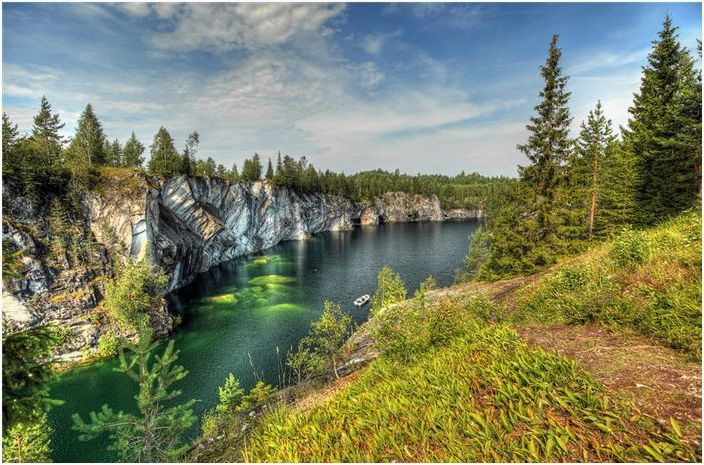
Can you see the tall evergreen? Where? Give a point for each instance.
(595, 140)
(9, 139)
(540, 224)
(234, 172)
(132, 152)
(269, 171)
(664, 131)
(113, 153)
(164, 161)
(88, 145)
(188, 159)
(548, 145)
(45, 130)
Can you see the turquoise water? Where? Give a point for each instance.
(238, 313)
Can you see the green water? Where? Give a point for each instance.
(242, 310)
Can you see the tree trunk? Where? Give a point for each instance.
(592, 209)
(334, 368)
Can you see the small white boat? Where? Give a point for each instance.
(361, 300)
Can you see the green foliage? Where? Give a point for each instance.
(647, 281)
(136, 291)
(27, 369)
(45, 131)
(165, 160)
(538, 223)
(390, 289)
(132, 152)
(496, 399)
(477, 255)
(664, 132)
(252, 169)
(321, 346)
(231, 395)
(87, 148)
(155, 433)
(27, 442)
(110, 345)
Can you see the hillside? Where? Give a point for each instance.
(595, 359)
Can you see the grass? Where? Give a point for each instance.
(483, 397)
(645, 281)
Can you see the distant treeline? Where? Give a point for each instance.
(43, 162)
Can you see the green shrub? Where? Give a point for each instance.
(136, 291)
(630, 248)
(109, 345)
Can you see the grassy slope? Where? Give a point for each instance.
(456, 383)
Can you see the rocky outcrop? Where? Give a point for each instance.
(461, 214)
(185, 224)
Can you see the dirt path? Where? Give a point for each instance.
(662, 382)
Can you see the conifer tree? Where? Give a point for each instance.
(596, 138)
(9, 139)
(88, 145)
(132, 152)
(155, 434)
(164, 160)
(235, 173)
(45, 131)
(269, 171)
(26, 373)
(539, 224)
(664, 131)
(188, 159)
(113, 153)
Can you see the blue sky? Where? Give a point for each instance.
(432, 88)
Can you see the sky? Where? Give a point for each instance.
(424, 87)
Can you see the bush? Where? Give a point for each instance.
(136, 291)
(109, 345)
(630, 248)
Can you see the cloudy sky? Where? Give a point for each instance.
(420, 87)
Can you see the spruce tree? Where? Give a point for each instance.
(540, 224)
(88, 145)
(235, 173)
(188, 159)
(155, 434)
(164, 160)
(132, 152)
(664, 131)
(269, 171)
(596, 138)
(45, 131)
(10, 164)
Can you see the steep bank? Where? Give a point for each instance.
(187, 225)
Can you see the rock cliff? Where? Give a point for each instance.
(185, 224)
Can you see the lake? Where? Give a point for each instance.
(238, 313)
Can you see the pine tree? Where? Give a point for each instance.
(548, 146)
(26, 372)
(164, 160)
(540, 224)
(88, 145)
(269, 171)
(10, 164)
(45, 131)
(595, 140)
(188, 159)
(113, 153)
(664, 131)
(155, 433)
(27, 442)
(235, 173)
(132, 153)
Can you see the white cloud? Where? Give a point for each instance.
(227, 26)
(370, 75)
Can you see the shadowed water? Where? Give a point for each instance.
(238, 313)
